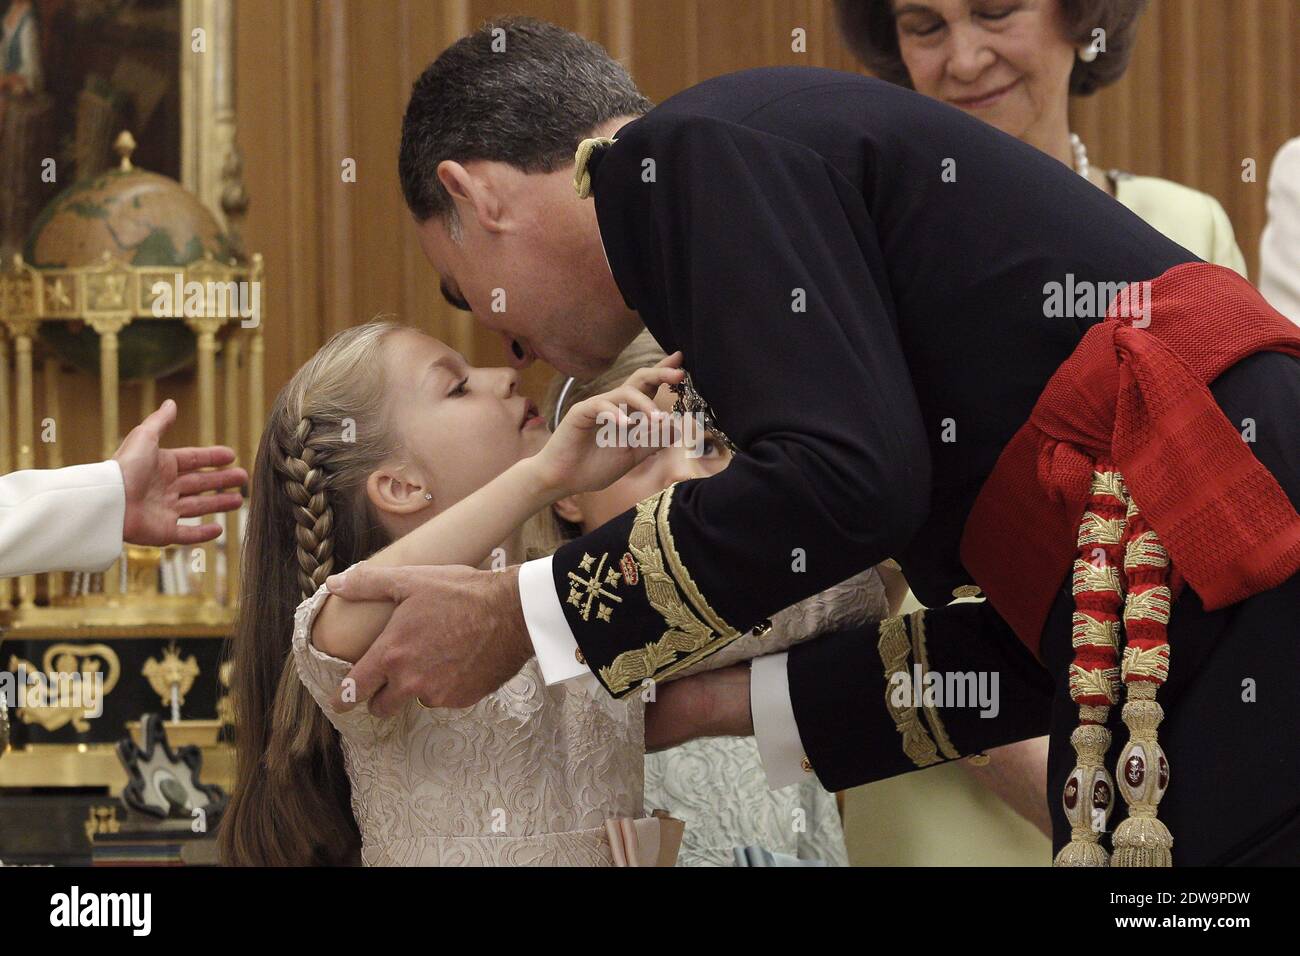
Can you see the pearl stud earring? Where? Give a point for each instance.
(428, 496)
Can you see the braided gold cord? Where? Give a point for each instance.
(1142, 839)
(581, 175)
(1094, 674)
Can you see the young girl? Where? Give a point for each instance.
(386, 446)
(379, 431)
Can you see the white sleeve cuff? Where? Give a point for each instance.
(779, 747)
(63, 519)
(553, 641)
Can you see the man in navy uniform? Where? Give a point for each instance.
(867, 288)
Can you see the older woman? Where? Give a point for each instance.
(1015, 64)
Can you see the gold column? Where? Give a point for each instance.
(205, 328)
(50, 374)
(109, 413)
(148, 398)
(53, 450)
(233, 347)
(6, 454)
(22, 333)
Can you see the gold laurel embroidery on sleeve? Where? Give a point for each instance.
(931, 712)
(686, 634)
(895, 648)
(679, 572)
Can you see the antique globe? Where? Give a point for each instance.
(142, 219)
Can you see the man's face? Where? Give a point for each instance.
(530, 266)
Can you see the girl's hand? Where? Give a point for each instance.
(580, 455)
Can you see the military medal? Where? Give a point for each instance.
(690, 402)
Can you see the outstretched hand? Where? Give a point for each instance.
(164, 485)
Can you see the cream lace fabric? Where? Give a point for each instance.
(529, 774)
(717, 785)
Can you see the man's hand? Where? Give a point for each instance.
(457, 635)
(712, 704)
(165, 484)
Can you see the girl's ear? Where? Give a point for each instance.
(570, 509)
(391, 491)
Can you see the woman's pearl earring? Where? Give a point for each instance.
(1088, 53)
(428, 496)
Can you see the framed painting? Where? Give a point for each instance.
(73, 75)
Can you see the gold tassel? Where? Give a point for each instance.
(1089, 796)
(1143, 770)
(1142, 839)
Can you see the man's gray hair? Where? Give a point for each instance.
(517, 90)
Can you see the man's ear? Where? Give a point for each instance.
(570, 509)
(391, 491)
(476, 195)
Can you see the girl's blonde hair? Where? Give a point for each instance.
(309, 515)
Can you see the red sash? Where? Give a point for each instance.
(1137, 397)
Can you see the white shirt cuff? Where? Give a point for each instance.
(779, 747)
(553, 641)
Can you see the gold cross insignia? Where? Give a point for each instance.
(583, 592)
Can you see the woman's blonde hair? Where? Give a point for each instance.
(309, 515)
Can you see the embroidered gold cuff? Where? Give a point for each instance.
(895, 646)
(694, 629)
(931, 712)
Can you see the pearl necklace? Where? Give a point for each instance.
(1080, 155)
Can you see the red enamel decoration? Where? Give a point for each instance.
(628, 564)
(1135, 770)
(1101, 795)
